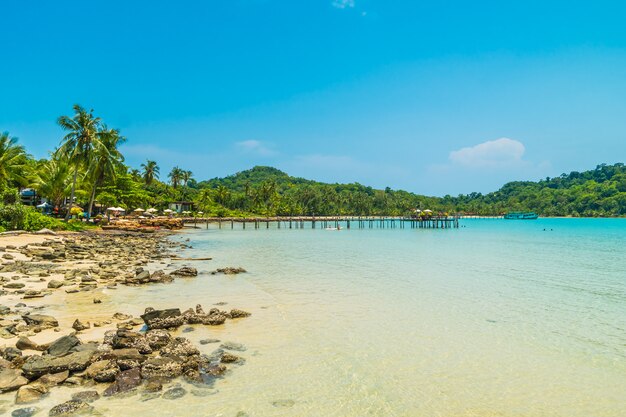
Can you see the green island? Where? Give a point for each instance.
(88, 168)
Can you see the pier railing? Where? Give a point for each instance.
(348, 222)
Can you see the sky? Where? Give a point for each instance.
(434, 97)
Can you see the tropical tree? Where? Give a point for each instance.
(222, 195)
(106, 160)
(175, 176)
(54, 178)
(186, 176)
(12, 161)
(151, 171)
(78, 144)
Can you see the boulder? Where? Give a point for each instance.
(125, 381)
(174, 393)
(40, 320)
(236, 313)
(24, 343)
(71, 407)
(179, 346)
(79, 325)
(161, 367)
(25, 412)
(157, 338)
(163, 319)
(103, 371)
(53, 283)
(30, 393)
(36, 366)
(86, 396)
(63, 345)
(51, 380)
(128, 339)
(185, 271)
(231, 270)
(11, 379)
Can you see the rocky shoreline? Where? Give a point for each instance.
(137, 355)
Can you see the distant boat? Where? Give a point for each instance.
(518, 215)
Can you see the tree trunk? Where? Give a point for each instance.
(67, 215)
(91, 200)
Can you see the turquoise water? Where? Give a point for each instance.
(496, 318)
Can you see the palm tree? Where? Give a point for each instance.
(106, 160)
(80, 141)
(151, 171)
(12, 161)
(186, 176)
(222, 195)
(54, 179)
(135, 175)
(176, 176)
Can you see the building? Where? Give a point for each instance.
(180, 206)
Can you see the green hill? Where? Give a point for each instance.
(268, 191)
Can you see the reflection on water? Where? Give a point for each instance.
(495, 319)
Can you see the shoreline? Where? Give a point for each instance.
(99, 354)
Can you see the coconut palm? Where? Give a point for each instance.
(106, 160)
(78, 144)
(151, 171)
(176, 176)
(54, 179)
(222, 195)
(186, 176)
(12, 161)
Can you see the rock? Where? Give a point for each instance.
(207, 341)
(11, 379)
(33, 294)
(103, 371)
(97, 301)
(10, 353)
(53, 283)
(161, 367)
(214, 370)
(45, 232)
(236, 313)
(174, 393)
(157, 338)
(185, 271)
(233, 346)
(229, 358)
(14, 285)
(124, 382)
(141, 277)
(40, 320)
(231, 270)
(51, 380)
(30, 393)
(63, 345)
(71, 407)
(153, 385)
(188, 329)
(128, 339)
(36, 366)
(7, 256)
(24, 343)
(180, 347)
(86, 396)
(163, 319)
(25, 412)
(160, 276)
(122, 316)
(79, 325)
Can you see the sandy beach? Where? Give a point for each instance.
(104, 352)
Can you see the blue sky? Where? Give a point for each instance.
(434, 97)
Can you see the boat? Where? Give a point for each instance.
(518, 215)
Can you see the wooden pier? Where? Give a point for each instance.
(344, 222)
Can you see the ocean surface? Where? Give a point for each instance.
(494, 319)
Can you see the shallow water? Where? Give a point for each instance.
(497, 318)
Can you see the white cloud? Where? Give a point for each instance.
(342, 4)
(503, 152)
(255, 146)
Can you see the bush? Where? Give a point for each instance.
(19, 217)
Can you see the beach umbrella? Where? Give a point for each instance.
(112, 209)
(418, 210)
(168, 211)
(44, 205)
(119, 209)
(200, 212)
(151, 210)
(139, 210)
(428, 211)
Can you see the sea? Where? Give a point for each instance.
(498, 318)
